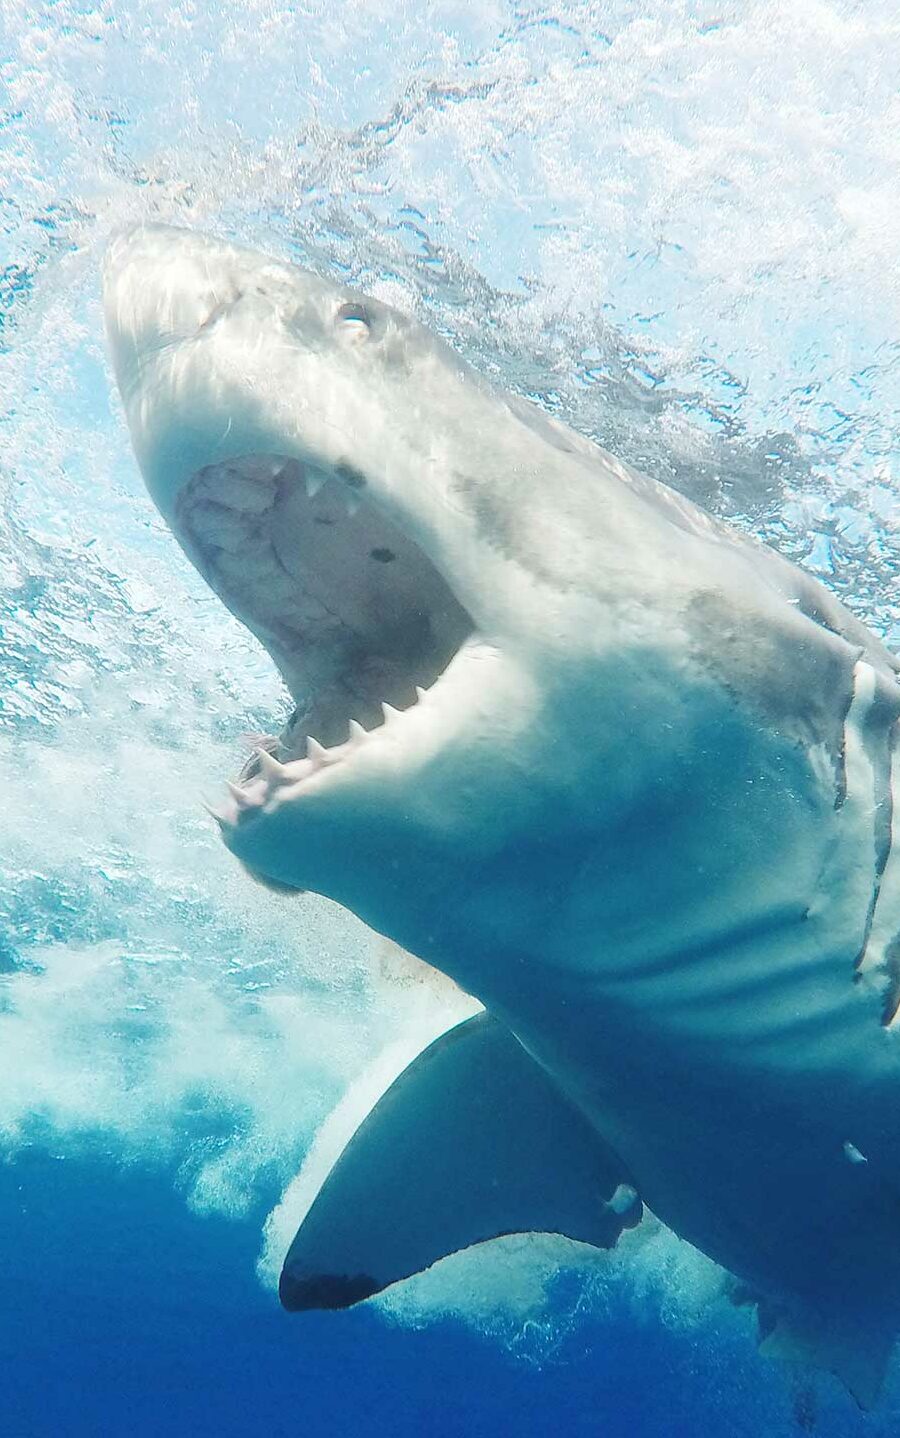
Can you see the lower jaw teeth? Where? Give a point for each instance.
(295, 743)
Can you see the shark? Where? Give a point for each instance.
(626, 775)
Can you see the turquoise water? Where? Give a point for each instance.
(671, 225)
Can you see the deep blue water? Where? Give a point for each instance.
(125, 1313)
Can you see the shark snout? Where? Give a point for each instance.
(161, 286)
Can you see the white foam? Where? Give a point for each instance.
(512, 1286)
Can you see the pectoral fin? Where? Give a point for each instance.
(472, 1141)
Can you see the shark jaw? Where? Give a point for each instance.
(365, 628)
(355, 611)
(298, 440)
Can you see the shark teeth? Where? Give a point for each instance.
(314, 479)
(318, 753)
(239, 795)
(271, 774)
(271, 768)
(224, 821)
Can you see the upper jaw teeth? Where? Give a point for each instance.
(315, 479)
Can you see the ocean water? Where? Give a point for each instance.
(672, 225)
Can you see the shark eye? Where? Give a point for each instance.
(354, 320)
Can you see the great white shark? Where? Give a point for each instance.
(633, 786)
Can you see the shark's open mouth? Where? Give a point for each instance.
(352, 610)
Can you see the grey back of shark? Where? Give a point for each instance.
(633, 788)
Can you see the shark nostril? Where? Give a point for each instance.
(213, 316)
(219, 310)
(384, 556)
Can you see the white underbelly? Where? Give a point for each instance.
(725, 1033)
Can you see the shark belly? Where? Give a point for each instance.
(727, 1033)
(787, 1179)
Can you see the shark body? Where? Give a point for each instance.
(634, 788)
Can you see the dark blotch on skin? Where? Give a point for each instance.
(350, 476)
(384, 556)
(325, 1290)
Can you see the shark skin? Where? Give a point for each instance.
(634, 783)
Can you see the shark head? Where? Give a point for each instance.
(417, 552)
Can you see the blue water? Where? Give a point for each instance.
(674, 227)
(122, 1312)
